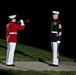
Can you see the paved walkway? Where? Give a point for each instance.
(39, 66)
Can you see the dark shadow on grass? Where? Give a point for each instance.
(3, 47)
(38, 59)
(21, 53)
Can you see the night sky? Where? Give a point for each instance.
(37, 31)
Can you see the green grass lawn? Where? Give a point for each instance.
(19, 72)
(28, 53)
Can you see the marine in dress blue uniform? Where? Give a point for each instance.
(56, 35)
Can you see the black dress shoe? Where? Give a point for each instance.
(10, 65)
(53, 65)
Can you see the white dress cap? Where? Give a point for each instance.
(12, 16)
(55, 12)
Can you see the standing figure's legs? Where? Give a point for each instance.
(10, 53)
(55, 52)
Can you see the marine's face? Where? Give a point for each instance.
(14, 20)
(55, 16)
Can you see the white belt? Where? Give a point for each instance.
(54, 32)
(12, 32)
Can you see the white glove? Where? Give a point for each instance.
(22, 22)
(58, 41)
